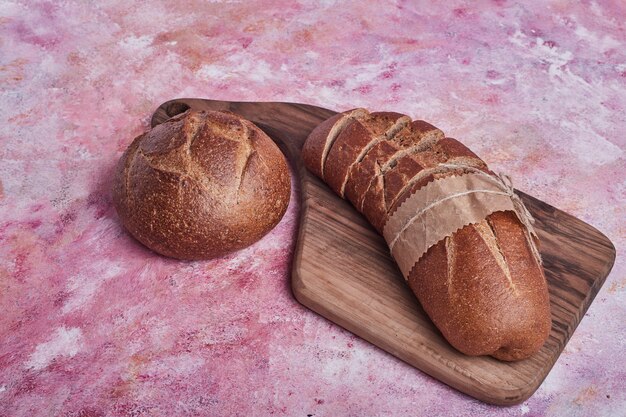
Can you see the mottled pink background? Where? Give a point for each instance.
(93, 324)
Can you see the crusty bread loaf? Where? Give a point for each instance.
(201, 185)
(482, 287)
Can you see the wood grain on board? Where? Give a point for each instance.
(342, 270)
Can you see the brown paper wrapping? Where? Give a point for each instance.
(439, 209)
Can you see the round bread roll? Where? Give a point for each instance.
(201, 185)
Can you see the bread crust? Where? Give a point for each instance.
(355, 141)
(201, 185)
(415, 136)
(480, 309)
(321, 139)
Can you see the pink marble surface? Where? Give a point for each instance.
(93, 324)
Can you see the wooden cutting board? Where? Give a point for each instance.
(342, 270)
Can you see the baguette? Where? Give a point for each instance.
(482, 286)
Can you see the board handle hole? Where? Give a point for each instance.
(176, 108)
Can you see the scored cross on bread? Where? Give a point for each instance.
(482, 286)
